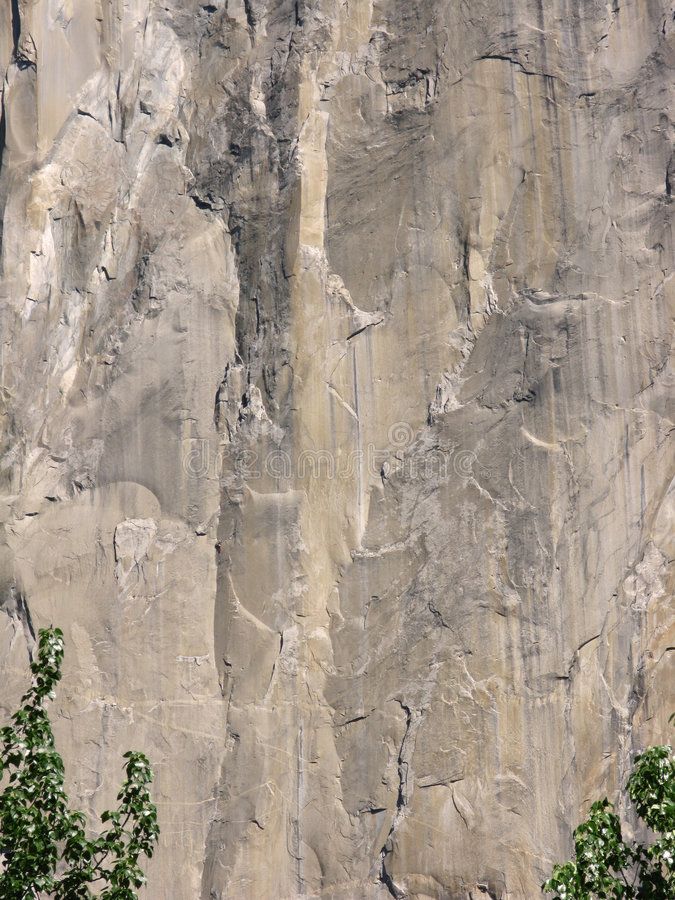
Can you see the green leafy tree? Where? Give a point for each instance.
(605, 866)
(44, 844)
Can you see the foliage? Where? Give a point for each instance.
(605, 866)
(44, 843)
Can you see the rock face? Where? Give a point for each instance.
(335, 405)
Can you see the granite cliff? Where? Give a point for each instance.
(335, 410)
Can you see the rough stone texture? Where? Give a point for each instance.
(335, 405)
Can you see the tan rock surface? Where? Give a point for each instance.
(335, 416)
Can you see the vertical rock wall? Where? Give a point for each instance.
(335, 410)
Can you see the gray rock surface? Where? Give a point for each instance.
(335, 412)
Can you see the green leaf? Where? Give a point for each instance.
(604, 865)
(39, 833)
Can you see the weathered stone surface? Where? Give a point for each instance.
(335, 418)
